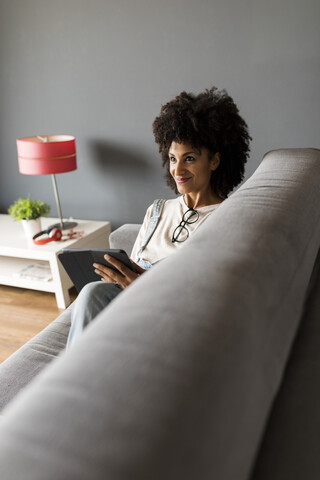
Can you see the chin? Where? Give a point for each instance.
(182, 188)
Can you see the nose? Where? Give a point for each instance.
(179, 170)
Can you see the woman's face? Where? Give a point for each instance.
(191, 168)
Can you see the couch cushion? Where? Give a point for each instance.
(175, 380)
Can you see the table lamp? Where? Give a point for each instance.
(50, 154)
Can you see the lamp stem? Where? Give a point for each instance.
(54, 183)
(63, 225)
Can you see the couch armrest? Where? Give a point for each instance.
(23, 365)
(124, 237)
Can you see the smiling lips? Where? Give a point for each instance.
(182, 180)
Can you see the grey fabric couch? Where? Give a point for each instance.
(207, 367)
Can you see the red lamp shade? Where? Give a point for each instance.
(45, 155)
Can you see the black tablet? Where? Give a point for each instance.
(78, 263)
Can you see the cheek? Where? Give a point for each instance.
(205, 174)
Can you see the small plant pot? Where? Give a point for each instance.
(31, 227)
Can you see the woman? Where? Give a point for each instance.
(204, 144)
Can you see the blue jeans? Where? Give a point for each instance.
(92, 299)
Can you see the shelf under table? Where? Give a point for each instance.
(10, 266)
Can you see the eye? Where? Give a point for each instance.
(190, 159)
(172, 160)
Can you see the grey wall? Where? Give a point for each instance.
(100, 70)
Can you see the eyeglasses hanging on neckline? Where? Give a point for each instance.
(181, 233)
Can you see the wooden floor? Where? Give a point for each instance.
(24, 313)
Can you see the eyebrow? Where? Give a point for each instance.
(185, 154)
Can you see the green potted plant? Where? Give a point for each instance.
(29, 212)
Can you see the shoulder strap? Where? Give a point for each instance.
(152, 225)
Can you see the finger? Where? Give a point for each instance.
(121, 267)
(115, 277)
(111, 276)
(103, 268)
(137, 267)
(104, 274)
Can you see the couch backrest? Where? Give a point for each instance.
(124, 237)
(175, 380)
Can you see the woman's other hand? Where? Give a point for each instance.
(125, 278)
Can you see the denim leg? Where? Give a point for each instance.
(93, 298)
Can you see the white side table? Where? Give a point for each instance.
(16, 252)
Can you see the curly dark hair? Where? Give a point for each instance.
(211, 120)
